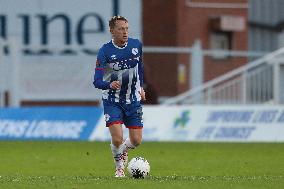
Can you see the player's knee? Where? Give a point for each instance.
(117, 142)
(136, 141)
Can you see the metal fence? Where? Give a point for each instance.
(257, 82)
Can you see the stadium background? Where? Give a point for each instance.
(48, 52)
(214, 75)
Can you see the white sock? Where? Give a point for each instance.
(117, 156)
(127, 145)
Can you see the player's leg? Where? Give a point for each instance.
(134, 140)
(116, 133)
(133, 121)
(113, 117)
(116, 148)
(135, 136)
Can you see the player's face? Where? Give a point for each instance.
(120, 32)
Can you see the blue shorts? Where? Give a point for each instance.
(120, 113)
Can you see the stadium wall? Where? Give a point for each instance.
(161, 123)
(62, 40)
(180, 24)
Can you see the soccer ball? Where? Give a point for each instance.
(138, 167)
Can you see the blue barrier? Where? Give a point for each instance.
(48, 123)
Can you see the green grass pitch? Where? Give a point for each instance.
(79, 165)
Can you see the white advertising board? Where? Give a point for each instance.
(208, 123)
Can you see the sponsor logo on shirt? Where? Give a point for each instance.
(113, 57)
(124, 64)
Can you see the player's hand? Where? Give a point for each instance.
(115, 85)
(142, 93)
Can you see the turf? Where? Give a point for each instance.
(78, 165)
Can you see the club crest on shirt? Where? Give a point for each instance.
(134, 51)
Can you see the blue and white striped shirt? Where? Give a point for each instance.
(123, 64)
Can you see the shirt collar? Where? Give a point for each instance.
(118, 46)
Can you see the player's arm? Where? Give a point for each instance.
(141, 74)
(99, 72)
